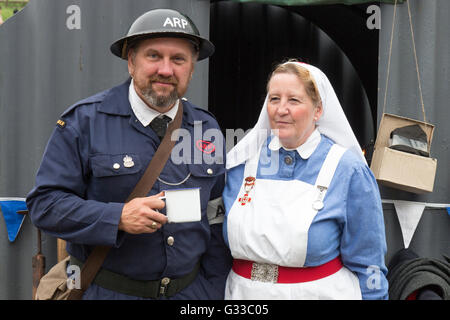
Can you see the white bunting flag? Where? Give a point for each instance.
(409, 214)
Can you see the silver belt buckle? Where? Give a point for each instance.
(264, 272)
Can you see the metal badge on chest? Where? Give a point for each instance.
(248, 186)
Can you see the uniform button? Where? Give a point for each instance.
(170, 241)
(165, 281)
(209, 171)
(288, 160)
(116, 166)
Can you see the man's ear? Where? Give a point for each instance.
(192, 71)
(130, 63)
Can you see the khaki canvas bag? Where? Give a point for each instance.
(53, 285)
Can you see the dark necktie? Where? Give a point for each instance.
(159, 125)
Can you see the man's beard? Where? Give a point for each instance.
(160, 101)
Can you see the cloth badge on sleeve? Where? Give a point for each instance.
(13, 220)
(205, 146)
(61, 123)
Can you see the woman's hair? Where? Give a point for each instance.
(303, 75)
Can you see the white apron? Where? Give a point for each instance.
(273, 228)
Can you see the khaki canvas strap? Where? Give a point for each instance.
(95, 260)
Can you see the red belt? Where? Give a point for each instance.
(278, 274)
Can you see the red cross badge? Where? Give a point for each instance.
(248, 186)
(205, 146)
(245, 199)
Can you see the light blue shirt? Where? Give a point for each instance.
(351, 223)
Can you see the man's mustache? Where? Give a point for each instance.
(168, 80)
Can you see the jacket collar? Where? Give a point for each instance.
(188, 113)
(116, 101)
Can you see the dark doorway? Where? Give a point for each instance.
(251, 38)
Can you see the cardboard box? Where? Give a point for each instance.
(402, 170)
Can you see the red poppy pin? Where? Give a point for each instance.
(205, 146)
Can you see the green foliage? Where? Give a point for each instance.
(8, 8)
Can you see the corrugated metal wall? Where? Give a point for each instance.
(431, 28)
(49, 60)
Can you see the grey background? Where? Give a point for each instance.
(44, 68)
(431, 27)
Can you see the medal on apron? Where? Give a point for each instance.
(248, 186)
(318, 203)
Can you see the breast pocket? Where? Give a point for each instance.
(190, 175)
(114, 175)
(205, 176)
(201, 176)
(206, 170)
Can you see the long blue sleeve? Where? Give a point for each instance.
(56, 203)
(363, 242)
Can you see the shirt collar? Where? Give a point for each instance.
(305, 150)
(143, 112)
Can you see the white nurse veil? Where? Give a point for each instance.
(333, 124)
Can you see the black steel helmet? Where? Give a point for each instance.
(163, 23)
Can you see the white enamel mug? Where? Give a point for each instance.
(183, 205)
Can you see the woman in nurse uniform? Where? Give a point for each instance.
(303, 210)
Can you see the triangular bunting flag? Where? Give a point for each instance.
(13, 220)
(409, 214)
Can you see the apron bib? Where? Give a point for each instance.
(269, 223)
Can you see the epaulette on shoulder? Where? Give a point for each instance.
(90, 100)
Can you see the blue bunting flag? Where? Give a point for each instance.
(13, 220)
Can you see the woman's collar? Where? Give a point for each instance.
(305, 150)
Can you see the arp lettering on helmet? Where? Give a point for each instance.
(163, 23)
(175, 22)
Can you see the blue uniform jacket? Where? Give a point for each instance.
(79, 194)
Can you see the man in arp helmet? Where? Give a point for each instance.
(101, 147)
